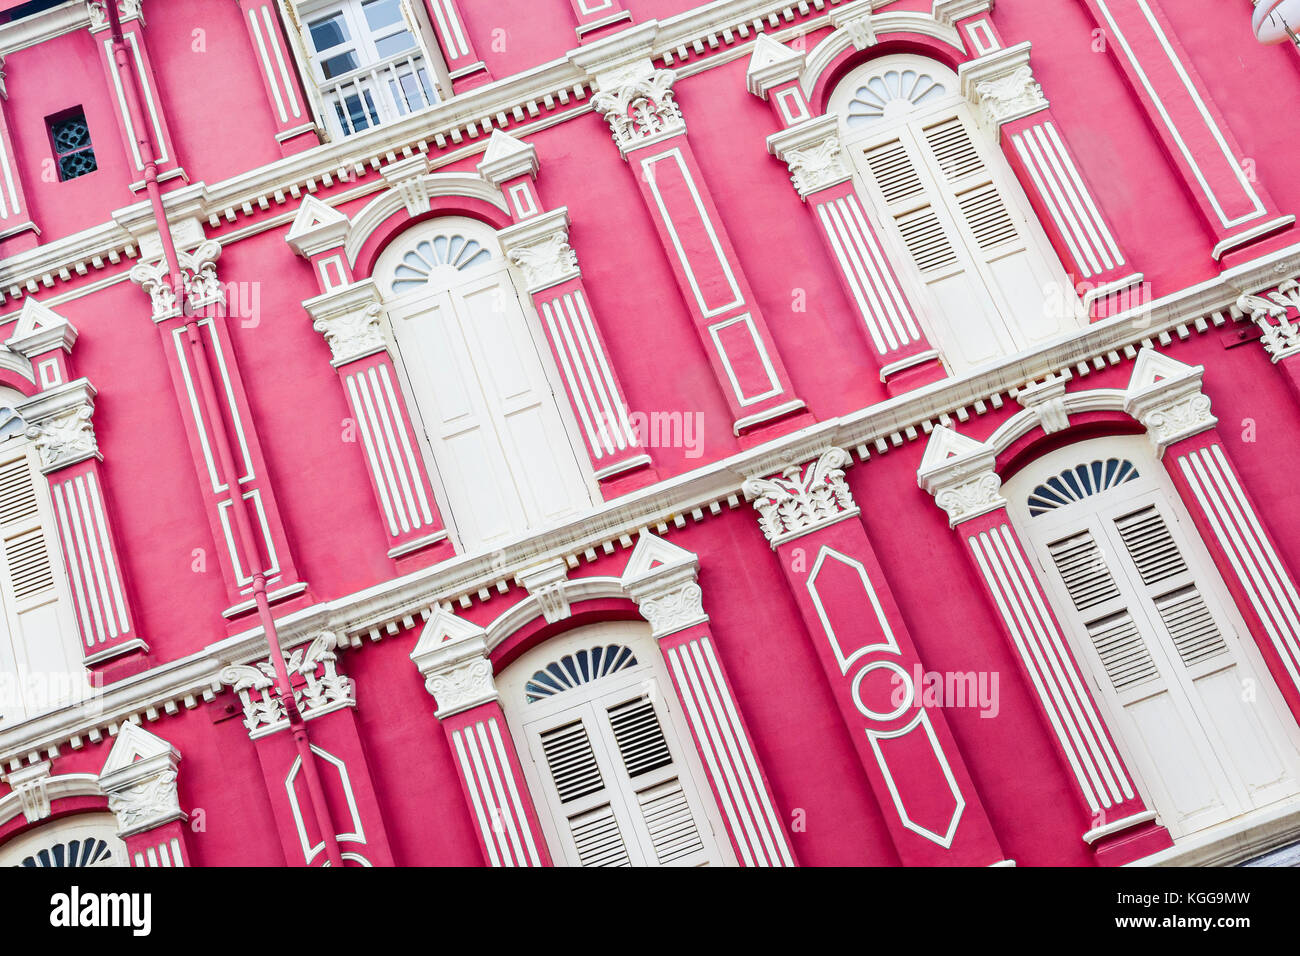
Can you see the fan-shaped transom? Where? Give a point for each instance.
(892, 93)
(580, 667)
(443, 252)
(1082, 481)
(88, 852)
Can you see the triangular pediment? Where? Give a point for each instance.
(651, 554)
(768, 53)
(133, 744)
(36, 317)
(946, 446)
(315, 220)
(502, 146)
(444, 628)
(1153, 368)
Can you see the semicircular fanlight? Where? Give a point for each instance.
(891, 92)
(574, 670)
(451, 249)
(1082, 481)
(88, 852)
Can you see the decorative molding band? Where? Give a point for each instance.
(1002, 85)
(59, 423)
(539, 247)
(812, 151)
(803, 498)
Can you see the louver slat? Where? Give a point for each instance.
(30, 571)
(640, 738)
(954, 150)
(571, 760)
(598, 839)
(668, 818)
(1150, 545)
(1084, 571)
(1123, 653)
(986, 215)
(926, 240)
(894, 172)
(17, 492)
(1191, 626)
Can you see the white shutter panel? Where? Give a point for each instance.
(597, 838)
(1123, 653)
(1084, 571)
(575, 772)
(39, 640)
(965, 316)
(1020, 268)
(573, 764)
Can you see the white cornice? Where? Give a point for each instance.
(46, 25)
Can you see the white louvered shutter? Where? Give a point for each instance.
(39, 659)
(988, 270)
(1160, 649)
(618, 792)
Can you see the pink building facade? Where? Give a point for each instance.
(746, 433)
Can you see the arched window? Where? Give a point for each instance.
(40, 650)
(502, 446)
(959, 225)
(87, 839)
(1186, 692)
(610, 765)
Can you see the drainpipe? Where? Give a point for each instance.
(248, 555)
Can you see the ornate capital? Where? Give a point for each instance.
(59, 424)
(959, 473)
(321, 690)
(126, 10)
(349, 318)
(812, 151)
(140, 781)
(661, 578)
(637, 102)
(1046, 401)
(452, 656)
(1272, 313)
(1002, 85)
(198, 276)
(1166, 397)
(803, 498)
(29, 783)
(539, 247)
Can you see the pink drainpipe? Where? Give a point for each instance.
(248, 554)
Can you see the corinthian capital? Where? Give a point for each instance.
(637, 102)
(1002, 85)
(1272, 313)
(803, 498)
(349, 318)
(140, 781)
(812, 151)
(452, 656)
(539, 247)
(959, 473)
(1165, 395)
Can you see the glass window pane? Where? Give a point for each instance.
(392, 45)
(329, 32)
(382, 13)
(338, 65)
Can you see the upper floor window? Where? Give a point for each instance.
(368, 61)
(505, 452)
(40, 653)
(949, 207)
(614, 783)
(70, 136)
(1151, 621)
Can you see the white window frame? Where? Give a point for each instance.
(39, 692)
(648, 678)
(300, 13)
(499, 271)
(1152, 487)
(905, 121)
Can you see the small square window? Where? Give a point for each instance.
(70, 135)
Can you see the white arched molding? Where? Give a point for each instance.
(33, 790)
(139, 779)
(856, 27)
